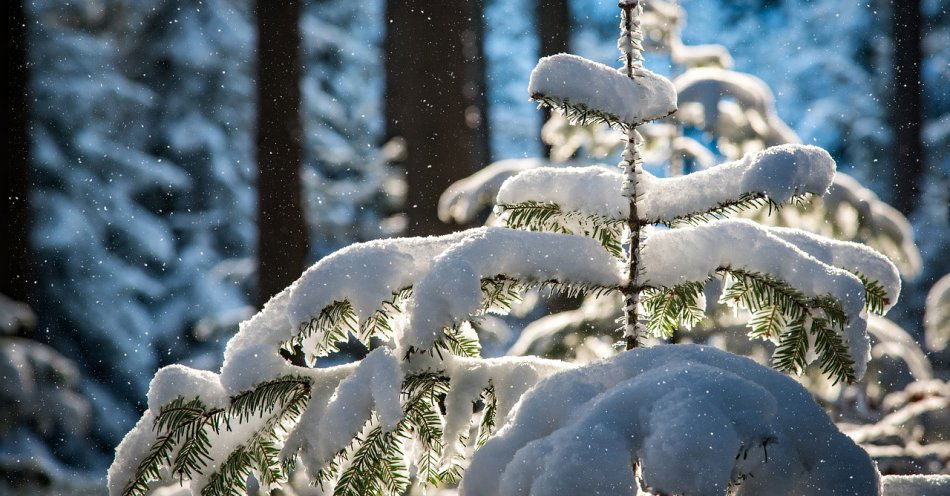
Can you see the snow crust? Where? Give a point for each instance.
(693, 416)
(451, 290)
(780, 172)
(676, 256)
(579, 81)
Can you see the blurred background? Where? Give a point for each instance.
(173, 164)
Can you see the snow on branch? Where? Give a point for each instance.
(710, 87)
(696, 420)
(776, 175)
(586, 91)
(879, 275)
(767, 272)
(464, 198)
(452, 291)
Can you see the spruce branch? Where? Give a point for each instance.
(549, 217)
(667, 309)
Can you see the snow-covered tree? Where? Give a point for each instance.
(422, 398)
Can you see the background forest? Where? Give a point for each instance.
(173, 164)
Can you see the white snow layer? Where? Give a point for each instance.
(694, 417)
(451, 291)
(598, 87)
(916, 485)
(675, 256)
(853, 257)
(780, 173)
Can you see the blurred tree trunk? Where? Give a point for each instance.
(906, 108)
(282, 232)
(435, 98)
(17, 262)
(554, 27)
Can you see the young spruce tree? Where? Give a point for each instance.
(422, 399)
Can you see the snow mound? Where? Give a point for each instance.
(695, 418)
(569, 79)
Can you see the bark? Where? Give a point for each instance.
(282, 232)
(17, 261)
(906, 106)
(554, 26)
(435, 99)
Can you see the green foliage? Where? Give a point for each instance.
(378, 462)
(336, 322)
(791, 352)
(669, 308)
(579, 114)
(548, 217)
(780, 311)
(487, 424)
(875, 296)
(746, 202)
(185, 428)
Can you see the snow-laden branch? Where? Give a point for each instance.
(587, 91)
(852, 257)
(695, 419)
(710, 87)
(777, 174)
(464, 198)
(452, 290)
(689, 254)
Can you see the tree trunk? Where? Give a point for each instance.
(435, 98)
(906, 106)
(17, 262)
(282, 232)
(554, 27)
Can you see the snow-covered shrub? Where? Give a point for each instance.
(422, 398)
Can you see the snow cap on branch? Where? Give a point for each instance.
(605, 92)
(779, 174)
(696, 419)
(451, 291)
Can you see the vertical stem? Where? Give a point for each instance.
(630, 45)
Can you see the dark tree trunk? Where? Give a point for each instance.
(17, 263)
(282, 233)
(554, 27)
(435, 98)
(906, 108)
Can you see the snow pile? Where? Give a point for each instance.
(695, 418)
(779, 173)
(573, 80)
(916, 485)
(451, 291)
(743, 244)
